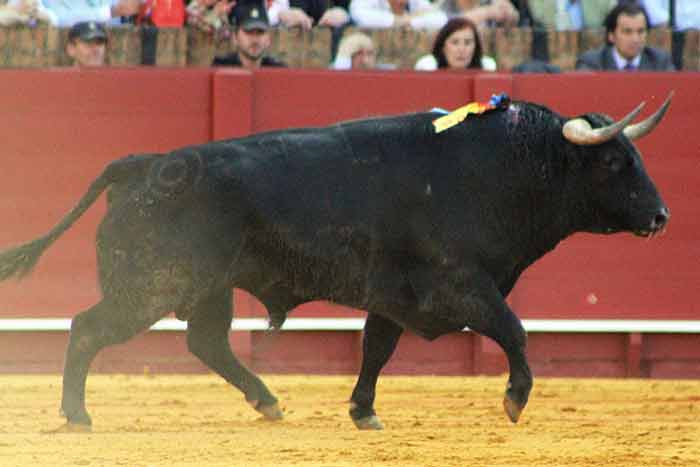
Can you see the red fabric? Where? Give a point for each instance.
(162, 13)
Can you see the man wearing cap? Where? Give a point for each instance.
(87, 44)
(252, 38)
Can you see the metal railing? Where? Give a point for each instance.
(357, 324)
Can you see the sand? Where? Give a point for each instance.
(185, 420)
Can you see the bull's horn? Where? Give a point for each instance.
(644, 127)
(579, 131)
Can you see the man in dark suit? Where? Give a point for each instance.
(626, 33)
(252, 37)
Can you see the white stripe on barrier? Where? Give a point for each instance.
(356, 324)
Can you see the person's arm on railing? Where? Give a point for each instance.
(369, 14)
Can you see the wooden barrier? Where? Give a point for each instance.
(29, 47)
(396, 48)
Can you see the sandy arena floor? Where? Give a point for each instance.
(430, 421)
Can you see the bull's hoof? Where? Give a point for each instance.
(368, 423)
(513, 409)
(271, 412)
(71, 428)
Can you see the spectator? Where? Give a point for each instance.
(356, 51)
(252, 38)
(87, 44)
(211, 16)
(69, 12)
(570, 15)
(457, 47)
(626, 32)
(410, 14)
(687, 14)
(308, 13)
(24, 12)
(493, 13)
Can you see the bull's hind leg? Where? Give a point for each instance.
(378, 344)
(207, 338)
(100, 326)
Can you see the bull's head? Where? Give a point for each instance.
(623, 196)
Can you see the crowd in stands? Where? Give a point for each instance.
(458, 26)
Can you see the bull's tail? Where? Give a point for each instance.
(19, 261)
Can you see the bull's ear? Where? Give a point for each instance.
(645, 127)
(579, 131)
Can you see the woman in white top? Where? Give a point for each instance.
(457, 46)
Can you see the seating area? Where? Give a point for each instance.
(22, 46)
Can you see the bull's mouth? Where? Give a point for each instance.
(649, 233)
(644, 233)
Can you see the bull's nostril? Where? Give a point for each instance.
(660, 220)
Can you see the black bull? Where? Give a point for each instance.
(427, 232)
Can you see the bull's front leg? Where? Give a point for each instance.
(455, 299)
(507, 330)
(488, 314)
(378, 343)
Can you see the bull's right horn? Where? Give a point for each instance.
(645, 127)
(579, 131)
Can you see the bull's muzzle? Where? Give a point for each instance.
(657, 224)
(660, 219)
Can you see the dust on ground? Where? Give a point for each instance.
(198, 420)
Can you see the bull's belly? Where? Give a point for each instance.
(309, 284)
(386, 292)
(313, 270)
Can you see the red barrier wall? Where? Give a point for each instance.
(232, 104)
(61, 127)
(59, 130)
(313, 98)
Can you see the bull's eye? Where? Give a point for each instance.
(612, 163)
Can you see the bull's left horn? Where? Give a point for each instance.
(579, 131)
(645, 127)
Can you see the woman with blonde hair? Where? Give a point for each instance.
(355, 51)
